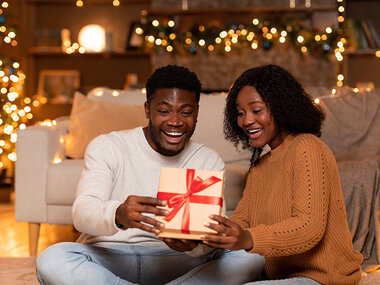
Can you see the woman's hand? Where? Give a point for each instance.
(229, 235)
(181, 245)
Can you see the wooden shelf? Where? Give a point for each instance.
(57, 51)
(363, 51)
(87, 2)
(245, 10)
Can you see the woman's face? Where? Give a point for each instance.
(256, 120)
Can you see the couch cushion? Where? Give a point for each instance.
(62, 180)
(209, 130)
(89, 118)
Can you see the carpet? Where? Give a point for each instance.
(18, 271)
(22, 271)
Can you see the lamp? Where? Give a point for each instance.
(92, 38)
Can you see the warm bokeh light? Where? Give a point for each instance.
(92, 38)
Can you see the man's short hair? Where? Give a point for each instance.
(173, 76)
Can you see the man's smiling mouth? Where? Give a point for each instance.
(173, 134)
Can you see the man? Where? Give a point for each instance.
(116, 205)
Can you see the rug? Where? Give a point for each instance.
(22, 271)
(18, 271)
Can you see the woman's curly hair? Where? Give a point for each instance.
(291, 107)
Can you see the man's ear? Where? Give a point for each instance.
(147, 111)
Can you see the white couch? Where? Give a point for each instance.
(46, 179)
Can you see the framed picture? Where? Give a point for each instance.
(134, 40)
(58, 86)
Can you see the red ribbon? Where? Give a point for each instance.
(193, 185)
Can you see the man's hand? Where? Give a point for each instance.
(129, 214)
(181, 245)
(229, 235)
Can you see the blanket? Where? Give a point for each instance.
(352, 131)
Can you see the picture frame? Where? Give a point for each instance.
(134, 40)
(58, 86)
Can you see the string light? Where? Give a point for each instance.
(257, 34)
(13, 115)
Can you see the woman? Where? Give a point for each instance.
(292, 211)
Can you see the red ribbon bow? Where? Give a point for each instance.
(176, 201)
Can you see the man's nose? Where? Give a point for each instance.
(175, 120)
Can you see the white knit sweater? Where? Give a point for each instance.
(119, 164)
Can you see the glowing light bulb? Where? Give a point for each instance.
(92, 38)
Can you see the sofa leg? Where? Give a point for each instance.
(34, 231)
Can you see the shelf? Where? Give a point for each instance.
(57, 51)
(87, 2)
(245, 10)
(363, 51)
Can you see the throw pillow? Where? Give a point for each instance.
(129, 97)
(89, 119)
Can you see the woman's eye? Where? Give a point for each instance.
(240, 114)
(256, 111)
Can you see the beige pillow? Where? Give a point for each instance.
(89, 119)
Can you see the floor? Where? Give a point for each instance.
(14, 235)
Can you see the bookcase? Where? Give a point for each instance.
(361, 63)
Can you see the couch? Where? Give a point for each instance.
(49, 156)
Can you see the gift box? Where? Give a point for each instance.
(192, 195)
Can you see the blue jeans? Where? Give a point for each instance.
(74, 263)
(299, 280)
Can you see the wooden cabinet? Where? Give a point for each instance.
(362, 65)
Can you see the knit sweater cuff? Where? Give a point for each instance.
(261, 242)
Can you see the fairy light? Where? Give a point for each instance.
(79, 3)
(340, 44)
(116, 3)
(255, 22)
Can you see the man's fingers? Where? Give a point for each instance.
(150, 221)
(146, 200)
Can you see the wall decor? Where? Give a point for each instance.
(58, 86)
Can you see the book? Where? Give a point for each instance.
(368, 34)
(374, 33)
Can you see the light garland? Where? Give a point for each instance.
(340, 49)
(15, 109)
(260, 33)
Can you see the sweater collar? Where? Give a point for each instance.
(278, 152)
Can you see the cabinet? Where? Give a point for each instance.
(41, 25)
(362, 65)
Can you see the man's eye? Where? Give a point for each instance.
(187, 113)
(163, 111)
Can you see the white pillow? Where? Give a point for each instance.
(209, 130)
(89, 119)
(128, 97)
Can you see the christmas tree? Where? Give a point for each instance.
(14, 107)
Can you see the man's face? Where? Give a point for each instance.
(172, 115)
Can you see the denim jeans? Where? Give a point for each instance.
(291, 281)
(299, 280)
(74, 263)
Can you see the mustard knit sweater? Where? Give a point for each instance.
(294, 209)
